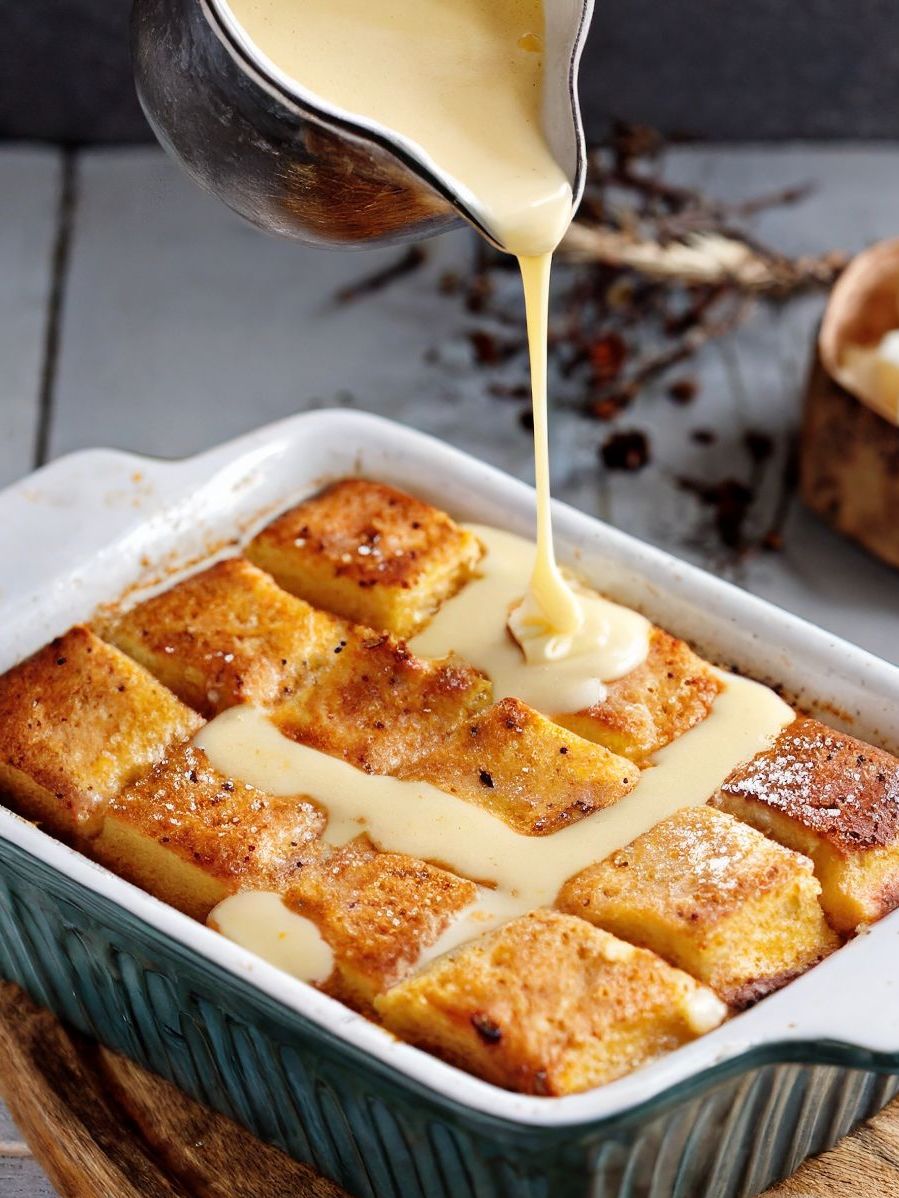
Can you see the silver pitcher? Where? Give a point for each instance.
(291, 163)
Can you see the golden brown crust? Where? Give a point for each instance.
(377, 705)
(230, 635)
(652, 705)
(712, 896)
(549, 1004)
(369, 553)
(699, 864)
(835, 799)
(840, 789)
(78, 721)
(225, 636)
(235, 836)
(378, 912)
(529, 772)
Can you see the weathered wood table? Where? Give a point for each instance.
(135, 312)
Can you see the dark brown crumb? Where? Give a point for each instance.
(488, 1029)
(683, 390)
(704, 436)
(489, 350)
(625, 451)
(730, 501)
(758, 445)
(611, 404)
(607, 355)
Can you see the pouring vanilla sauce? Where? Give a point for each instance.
(463, 80)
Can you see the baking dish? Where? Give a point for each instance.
(726, 1115)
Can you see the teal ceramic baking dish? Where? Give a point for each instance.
(723, 1117)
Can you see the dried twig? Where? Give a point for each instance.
(700, 257)
(693, 339)
(414, 257)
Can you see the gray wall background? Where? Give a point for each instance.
(731, 69)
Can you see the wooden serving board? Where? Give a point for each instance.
(102, 1127)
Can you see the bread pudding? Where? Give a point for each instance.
(546, 892)
(79, 721)
(713, 896)
(835, 799)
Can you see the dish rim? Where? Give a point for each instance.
(854, 1029)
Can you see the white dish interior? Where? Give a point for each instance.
(92, 526)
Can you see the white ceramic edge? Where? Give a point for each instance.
(469, 201)
(82, 511)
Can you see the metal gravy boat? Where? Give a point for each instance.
(297, 166)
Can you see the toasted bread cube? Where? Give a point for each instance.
(78, 721)
(191, 836)
(378, 912)
(225, 636)
(529, 772)
(549, 1004)
(836, 799)
(377, 705)
(653, 704)
(369, 553)
(713, 897)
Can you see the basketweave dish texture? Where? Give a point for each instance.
(144, 520)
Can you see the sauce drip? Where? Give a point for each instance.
(260, 921)
(550, 605)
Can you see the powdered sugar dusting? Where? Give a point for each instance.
(829, 782)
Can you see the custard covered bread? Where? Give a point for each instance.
(651, 706)
(714, 897)
(532, 774)
(78, 722)
(377, 705)
(550, 1005)
(369, 553)
(836, 799)
(192, 836)
(378, 912)
(230, 635)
